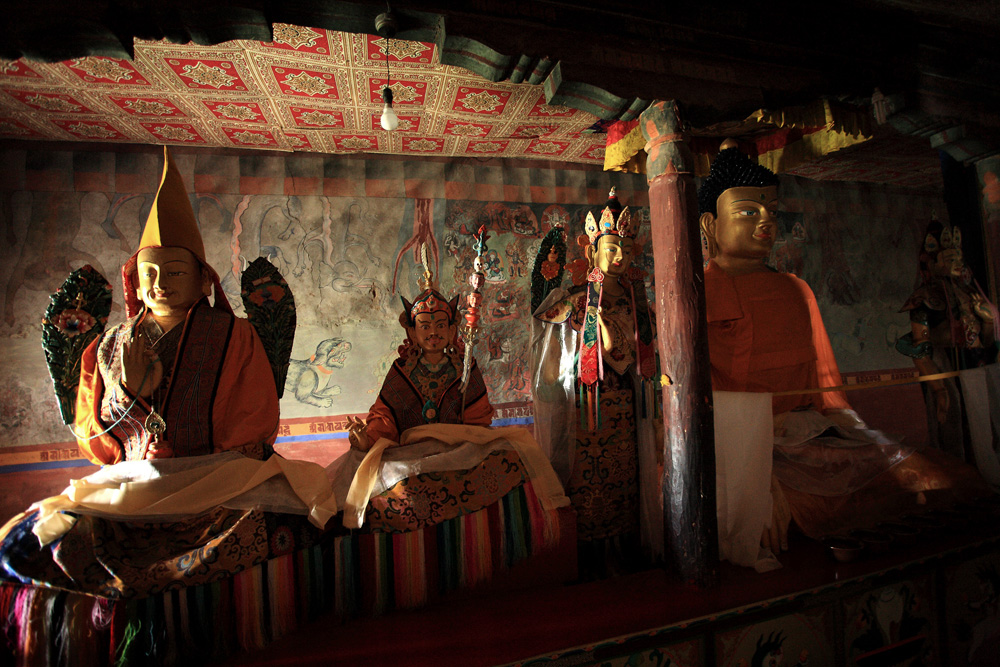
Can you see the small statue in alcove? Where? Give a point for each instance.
(953, 327)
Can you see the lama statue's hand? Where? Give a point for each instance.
(142, 370)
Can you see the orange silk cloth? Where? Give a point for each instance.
(765, 334)
(244, 410)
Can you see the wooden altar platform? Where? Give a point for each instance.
(933, 602)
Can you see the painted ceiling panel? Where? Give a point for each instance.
(310, 90)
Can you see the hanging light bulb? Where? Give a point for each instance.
(385, 25)
(389, 119)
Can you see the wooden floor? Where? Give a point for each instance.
(635, 609)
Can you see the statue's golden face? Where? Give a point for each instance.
(949, 261)
(746, 225)
(171, 280)
(612, 255)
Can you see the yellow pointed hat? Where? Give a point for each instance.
(171, 221)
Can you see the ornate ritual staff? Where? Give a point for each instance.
(470, 332)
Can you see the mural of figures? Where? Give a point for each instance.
(973, 605)
(854, 256)
(893, 625)
(789, 253)
(988, 171)
(684, 654)
(768, 652)
(794, 640)
(348, 257)
(984, 635)
(332, 251)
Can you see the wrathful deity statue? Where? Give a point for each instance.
(594, 400)
(424, 385)
(824, 469)
(953, 328)
(427, 451)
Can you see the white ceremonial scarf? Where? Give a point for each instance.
(744, 440)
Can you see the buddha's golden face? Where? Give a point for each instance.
(746, 225)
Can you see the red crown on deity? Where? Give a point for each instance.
(615, 221)
(432, 301)
(429, 300)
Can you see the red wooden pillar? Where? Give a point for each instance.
(688, 483)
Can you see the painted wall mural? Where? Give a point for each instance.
(345, 231)
(796, 639)
(973, 607)
(988, 172)
(893, 625)
(857, 245)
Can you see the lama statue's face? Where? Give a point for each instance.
(171, 280)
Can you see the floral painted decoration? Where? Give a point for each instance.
(579, 270)
(550, 269)
(74, 322)
(267, 295)
(77, 314)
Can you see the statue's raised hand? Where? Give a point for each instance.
(142, 370)
(607, 335)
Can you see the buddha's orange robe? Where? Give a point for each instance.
(765, 334)
(234, 407)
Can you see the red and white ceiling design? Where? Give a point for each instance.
(310, 90)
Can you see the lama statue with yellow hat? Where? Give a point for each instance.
(594, 400)
(180, 376)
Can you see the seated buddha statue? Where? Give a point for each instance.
(830, 472)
